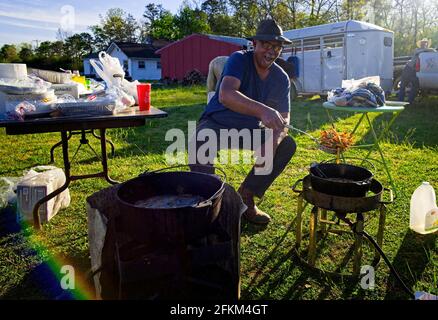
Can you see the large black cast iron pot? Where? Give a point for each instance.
(169, 224)
(342, 180)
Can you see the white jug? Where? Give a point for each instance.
(424, 211)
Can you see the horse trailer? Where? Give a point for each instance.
(325, 55)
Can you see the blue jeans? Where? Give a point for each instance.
(257, 184)
(408, 77)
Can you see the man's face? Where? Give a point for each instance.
(266, 52)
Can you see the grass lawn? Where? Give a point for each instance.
(268, 267)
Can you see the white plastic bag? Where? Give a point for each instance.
(352, 84)
(8, 186)
(123, 100)
(131, 88)
(17, 110)
(110, 70)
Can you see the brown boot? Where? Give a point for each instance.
(253, 214)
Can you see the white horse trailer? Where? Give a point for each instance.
(329, 53)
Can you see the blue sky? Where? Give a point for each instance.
(29, 20)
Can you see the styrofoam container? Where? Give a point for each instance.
(13, 71)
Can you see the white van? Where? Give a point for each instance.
(329, 53)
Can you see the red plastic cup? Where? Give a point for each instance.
(144, 96)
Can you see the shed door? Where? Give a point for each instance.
(333, 62)
(312, 65)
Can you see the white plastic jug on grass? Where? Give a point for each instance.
(424, 211)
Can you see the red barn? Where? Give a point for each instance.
(195, 52)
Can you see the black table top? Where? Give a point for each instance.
(132, 117)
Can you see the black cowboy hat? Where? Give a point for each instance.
(269, 30)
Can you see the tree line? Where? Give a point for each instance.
(410, 20)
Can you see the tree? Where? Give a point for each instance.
(8, 53)
(157, 21)
(43, 50)
(116, 25)
(218, 17)
(246, 15)
(190, 21)
(164, 28)
(79, 45)
(352, 9)
(57, 48)
(153, 12)
(26, 52)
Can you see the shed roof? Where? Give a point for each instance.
(137, 50)
(233, 40)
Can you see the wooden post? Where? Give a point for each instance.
(381, 230)
(313, 230)
(358, 244)
(324, 218)
(299, 222)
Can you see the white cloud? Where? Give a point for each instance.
(29, 25)
(51, 15)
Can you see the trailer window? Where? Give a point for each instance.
(335, 41)
(311, 44)
(293, 48)
(387, 41)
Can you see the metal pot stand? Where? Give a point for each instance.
(319, 224)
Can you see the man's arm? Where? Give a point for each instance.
(231, 98)
(281, 134)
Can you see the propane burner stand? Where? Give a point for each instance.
(341, 207)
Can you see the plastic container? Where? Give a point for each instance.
(424, 211)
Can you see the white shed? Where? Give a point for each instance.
(329, 53)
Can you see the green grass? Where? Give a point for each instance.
(268, 267)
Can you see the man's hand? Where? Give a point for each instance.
(272, 119)
(230, 97)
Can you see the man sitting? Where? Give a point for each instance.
(254, 90)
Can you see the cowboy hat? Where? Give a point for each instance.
(429, 42)
(269, 30)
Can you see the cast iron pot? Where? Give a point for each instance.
(344, 204)
(169, 224)
(343, 180)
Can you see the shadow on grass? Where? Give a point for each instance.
(310, 115)
(41, 279)
(275, 277)
(43, 282)
(40, 283)
(410, 262)
(8, 222)
(413, 126)
(150, 138)
(250, 229)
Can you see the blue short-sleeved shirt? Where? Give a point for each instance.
(273, 91)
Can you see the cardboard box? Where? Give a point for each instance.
(36, 184)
